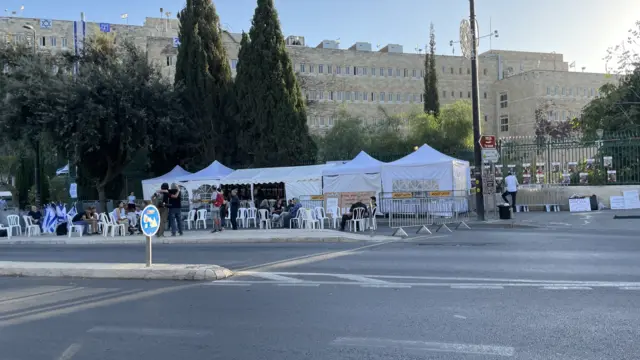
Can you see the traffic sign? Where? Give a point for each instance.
(150, 220)
(487, 141)
(490, 155)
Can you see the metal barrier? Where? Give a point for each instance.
(424, 209)
(548, 196)
(311, 201)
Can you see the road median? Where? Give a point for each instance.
(192, 272)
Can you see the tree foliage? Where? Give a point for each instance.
(203, 77)
(624, 57)
(271, 111)
(548, 129)
(431, 96)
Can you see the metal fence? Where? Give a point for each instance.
(311, 201)
(424, 209)
(545, 196)
(611, 159)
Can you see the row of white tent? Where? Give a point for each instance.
(362, 174)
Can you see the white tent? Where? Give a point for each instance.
(298, 180)
(426, 169)
(361, 174)
(210, 175)
(150, 186)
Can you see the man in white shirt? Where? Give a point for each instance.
(511, 185)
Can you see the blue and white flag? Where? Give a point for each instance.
(61, 213)
(73, 212)
(63, 170)
(50, 220)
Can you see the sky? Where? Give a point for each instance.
(581, 30)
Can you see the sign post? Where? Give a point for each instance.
(150, 224)
(490, 153)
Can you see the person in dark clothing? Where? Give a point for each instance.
(235, 205)
(36, 216)
(162, 203)
(348, 216)
(175, 211)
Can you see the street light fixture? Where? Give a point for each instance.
(37, 141)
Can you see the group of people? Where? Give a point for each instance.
(169, 204)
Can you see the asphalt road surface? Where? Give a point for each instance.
(470, 295)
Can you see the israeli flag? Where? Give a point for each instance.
(50, 220)
(61, 213)
(63, 170)
(73, 212)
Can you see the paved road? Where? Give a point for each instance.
(472, 295)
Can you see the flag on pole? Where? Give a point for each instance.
(63, 170)
(73, 212)
(572, 65)
(50, 220)
(124, 16)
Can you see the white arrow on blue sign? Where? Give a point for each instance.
(150, 220)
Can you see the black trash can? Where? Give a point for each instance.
(504, 211)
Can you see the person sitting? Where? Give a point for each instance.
(120, 217)
(77, 220)
(349, 216)
(89, 219)
(36, 216)
(285, 220)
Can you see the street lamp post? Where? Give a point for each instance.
(477, 150)
(37, 141)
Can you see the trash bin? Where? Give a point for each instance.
(504, 211)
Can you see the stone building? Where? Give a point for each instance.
(364, 79)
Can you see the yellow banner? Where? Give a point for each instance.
(402, 195)
(317, 197)
(439, 193)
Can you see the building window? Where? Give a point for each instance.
(570, 91)
(329, 69)
(390, 97)
(331, 96)
(302, 67)
(484, 72)
(381, 71)
(485, 94)
(312, 68)
(169, 61)
(415, 73)
(331, 121)
(64, 42)
(421, 97)
(397, 72)
(364, 71)
(373, 71)
(468, 71)
(321, 121)
(486, 118)
(460, 71)
(321, 95)
(360, 70)
(372, 97)
(451, 70)
(389, 72)
(562, 91)
(504, 101)
(444, 93)
(555, 91)
(53, 41)
(593, 93)
(548, 90)
(43, 41)
(504, 123)
(421, 73)
(347, 95)
(338, 70)
(453, 94)
(406, 72)
(234, 63)
(460, 94)
(339, 95)
(398, 97)
(320, 69)
(469, 94)
(382, 96)
(354, 70)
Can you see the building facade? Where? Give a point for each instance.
(361, 80)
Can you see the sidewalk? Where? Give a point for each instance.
(205, 237)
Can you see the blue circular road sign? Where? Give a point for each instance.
(150, 220)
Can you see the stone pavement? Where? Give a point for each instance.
(205, 237)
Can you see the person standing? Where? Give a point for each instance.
(175, 210)
(162, 203)
(511, 185)
(235, 205)
(216, 212)
(131, 206)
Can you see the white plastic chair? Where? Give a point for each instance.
(190, 219)
(335, 216)
(242, 216)
(298, 219)
(117, 229)
(227, 218)
(308, 220)
(357, 219)
(2, 227)
(252, 213)
(30, 227)
(264, 218)
(14, 222)
(321, 216)
(104, 224)
(202, 218)
(372, 218)
(71, 228)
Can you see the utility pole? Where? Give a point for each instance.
(477, 150)
(36, 142)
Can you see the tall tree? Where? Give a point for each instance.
(271, 109)
(431, 97)
(203, 75)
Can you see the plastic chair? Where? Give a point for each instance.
(202, 218)
(117, 228)
(372, 218)
(242, 216)
(251, 215)
(2, 227)
(71, 228)
(335, 216)
(30, 227)
(190, 219)
(264, 218)
(308, 220)
(357, 219)
(14, 222)
(298, 218)
(104, 224)
(321, 215)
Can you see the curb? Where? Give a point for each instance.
(115, 271)
(501, 226)
(116, 241)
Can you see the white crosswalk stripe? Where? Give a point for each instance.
(297, 279)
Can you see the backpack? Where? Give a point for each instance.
(219, 201)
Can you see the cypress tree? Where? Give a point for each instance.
(203, 76)
(431, 97)
(271, 111)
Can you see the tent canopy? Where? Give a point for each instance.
(363, 163)
(172, 175)
(275, 175)
(425, 155)
(215, 171)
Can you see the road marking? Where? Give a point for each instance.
(388, 286)
(493, 350)
(307, 259)
(567, 288)
(31, 296)
(460, 317)
(476, 287)
(70, 352)
(270, 276)
(301, 284)
(630, 288)
(360, 278)
(229, 283)
(149, 331)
